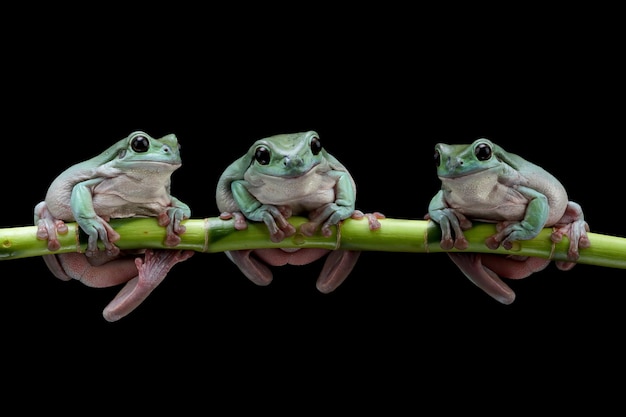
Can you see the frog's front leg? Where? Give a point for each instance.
(274, 217)
(171, 219)
(90, 222)
(330, 214)
(452, 223)
(535, 218)
(574, 226)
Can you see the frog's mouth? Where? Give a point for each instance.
(461, 174)
(291, 172)
(152, 167)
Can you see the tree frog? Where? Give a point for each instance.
(287, 175)
(483, 182)
(131, 178)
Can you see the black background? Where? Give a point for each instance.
(549, 89)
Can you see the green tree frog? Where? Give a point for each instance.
(287, 175)
(483, 182)
(129, 179)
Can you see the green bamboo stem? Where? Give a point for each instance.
(212, 235)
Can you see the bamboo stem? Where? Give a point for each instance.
(212, 235)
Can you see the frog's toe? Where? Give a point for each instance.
(446, 243)
(492, 242)
(240, 221)
(461, 243)
(564, 265)
(172, 239)
(373, 219)
(308, 228)
(277, 236)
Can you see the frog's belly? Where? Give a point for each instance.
(121, 197)
(495, 204)
(114, 206)
(296, 193)
(297, 201)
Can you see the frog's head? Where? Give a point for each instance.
(287, 155)
(139, 148)
(458, 160)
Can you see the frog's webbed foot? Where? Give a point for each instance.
(337, 267)
(275, 218)
(153, 269)
(372, 218)
(574, 226)
(452, 224)
(503, 235)
(484, 270)
(324, 217)
(240, 220)
(255, 270)
(171, 220)
(508, 232)
(48, 227)
(98, 228)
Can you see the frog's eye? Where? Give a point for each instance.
(140, 144)
(262, 155)
(437, 158)
(482, 152)
(316, 145)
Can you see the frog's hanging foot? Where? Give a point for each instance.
(48, 227)
(254, 263)
(484, 270)
(337, 267)
(153, 269)
(255, 270)
(574, 226)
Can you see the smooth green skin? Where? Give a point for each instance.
(282, 176)
(483, 182)
(129, 179)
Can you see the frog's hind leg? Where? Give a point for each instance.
(484, 278)
(337, 267)
(153, 269)
(255, 270)
(485, 271)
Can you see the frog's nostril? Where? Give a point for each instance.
(293, 162)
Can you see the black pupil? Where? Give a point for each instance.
(140, 144)
(437, 158)
(262, 155)
(316, 145)
(483, 152)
